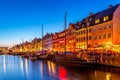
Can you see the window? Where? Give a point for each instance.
(77, 40)
(109, 35)
(90, 38)
(82, 26)
(95, 37)
(79, 23)
(104, 36)
(94, 29)
(104, 27)
(99, 28)
(83, 31)
(90, 19)
(99, 36)
(78, 33)
(90, 30)
(81, 39)
(88, 24)
(109, 26)
(97, 21)
(84, 38)
(105, 18)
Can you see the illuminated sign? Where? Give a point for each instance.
(61, 41)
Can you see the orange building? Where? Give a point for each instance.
(106, 28)
(61, 41)
(84, 33)
(100, 30)
(71, 38)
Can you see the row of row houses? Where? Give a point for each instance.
(97, 31)
(3, 49)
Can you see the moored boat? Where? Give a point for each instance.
(78, 62)
(43, 56)
(33, 58)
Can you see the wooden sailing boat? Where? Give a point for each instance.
(72, 59)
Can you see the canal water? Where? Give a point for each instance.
(17, 68)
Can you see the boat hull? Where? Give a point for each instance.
(74, 62)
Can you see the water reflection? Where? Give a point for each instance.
(108, 76)
(4, 65)
(62, 73)
(51, 68)
(16, 68)
(41, 70)
(21, 65)
(26, 67)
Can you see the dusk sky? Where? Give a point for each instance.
(22, 18)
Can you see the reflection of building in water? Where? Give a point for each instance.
(105, 75)
(22, 66)
(4, 62)
(51, 68)
(41, 70)
(26, 67)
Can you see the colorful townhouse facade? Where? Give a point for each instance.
(47, 42)
(71, 38)
(55, 42)
(97, 31)
(100, 30)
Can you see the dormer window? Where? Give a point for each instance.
(82, 26)
(105, 18)
(79, 23)
(77, 27)
(88, 24)
(97, 21)
(90, 19)
(84, 21)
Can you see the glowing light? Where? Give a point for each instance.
(21, 65)
(108, 76)
(62, 41)
(41, 70)
(26, 66)
(53, 67)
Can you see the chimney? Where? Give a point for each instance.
(91, 13)
(110, 6)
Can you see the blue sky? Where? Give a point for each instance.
(23, 18)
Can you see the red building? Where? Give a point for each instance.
(55, 42)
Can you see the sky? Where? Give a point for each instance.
(22, 19)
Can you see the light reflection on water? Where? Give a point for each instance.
(4, 61)
(16, 68)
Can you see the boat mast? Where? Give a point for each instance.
(42, 38)
(65, 28)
